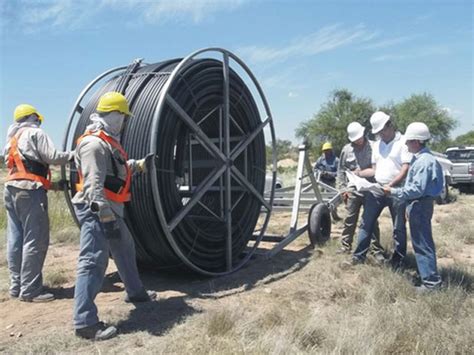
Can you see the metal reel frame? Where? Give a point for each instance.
(226, 156)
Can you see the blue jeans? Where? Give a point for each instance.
(373, 206)
(419, 216)
(92, 264)
(27, 239)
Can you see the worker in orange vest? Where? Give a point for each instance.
(104, 186)
(28, 154)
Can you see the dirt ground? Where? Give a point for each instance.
(179, 295)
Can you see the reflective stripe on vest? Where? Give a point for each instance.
(15, 162)
(124, 194)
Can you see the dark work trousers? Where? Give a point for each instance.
(353, 206)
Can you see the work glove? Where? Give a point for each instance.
(143, 165)
(111, 230)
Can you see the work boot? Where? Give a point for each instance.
(379, 258)
(423, 289)
(41, 298)
(343, 250)
(143, 296)
(99, 331)
(396, 263)
(352, 262)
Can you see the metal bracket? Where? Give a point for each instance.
(300, 197)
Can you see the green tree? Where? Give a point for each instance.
(424, 108)
(284, 149)
(464, 139)
(330, 122)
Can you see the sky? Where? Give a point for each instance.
(300, 51)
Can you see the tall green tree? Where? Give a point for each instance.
(464, 139)
(330, 122)
(424, 108)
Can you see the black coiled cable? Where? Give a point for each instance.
(202, 233)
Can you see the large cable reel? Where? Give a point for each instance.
(202, 203)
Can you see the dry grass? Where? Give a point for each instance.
(56, 277)
(300, 301)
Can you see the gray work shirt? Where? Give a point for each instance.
(35, 144)
(352, 159)
(94, 159)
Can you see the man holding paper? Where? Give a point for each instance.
(390, 160)
(355, 168)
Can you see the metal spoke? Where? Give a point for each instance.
(242, 145)
(228, 178)
(236, 124)
(245, 183)
(200, 135)
(202, 188)
(210, 211)
(238, 200)
(208, 115)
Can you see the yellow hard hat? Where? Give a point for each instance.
(327, 146)
(25, 110)
(113, 101)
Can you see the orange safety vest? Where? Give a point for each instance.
(123, 195)
(16, 168)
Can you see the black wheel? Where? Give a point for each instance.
(319, 224)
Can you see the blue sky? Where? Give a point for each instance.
(299, 50)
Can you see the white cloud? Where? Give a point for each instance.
(420, 52)
(197, 10)
(422, 18)
(31, 16)
(453, 111)
(326, 39)
(391, 42)
(292, 94)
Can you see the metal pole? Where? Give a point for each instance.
(228, 182)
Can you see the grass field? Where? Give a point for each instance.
(301, 301)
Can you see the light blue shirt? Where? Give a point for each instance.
(327, 165)
(424, 179)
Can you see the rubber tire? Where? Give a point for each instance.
(319, 224)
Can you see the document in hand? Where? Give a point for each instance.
(362, 184)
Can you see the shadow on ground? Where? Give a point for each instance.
(158, 317)
(257, 271)
(452, 276)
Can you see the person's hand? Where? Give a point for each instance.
(143, 165)
(387, 190)
(356, 172)
(111, 229)
(345, 196)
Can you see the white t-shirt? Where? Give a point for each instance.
(389, 157)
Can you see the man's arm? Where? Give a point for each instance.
(47, 152)
(415, 188)
(401, 176)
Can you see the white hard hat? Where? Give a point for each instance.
(417, 131)
(378, 120)
(355, 131)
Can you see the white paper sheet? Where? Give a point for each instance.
(362, 184)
